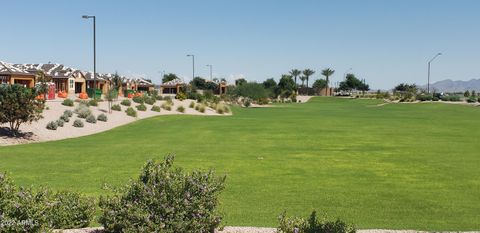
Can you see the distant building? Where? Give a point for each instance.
(9, 74)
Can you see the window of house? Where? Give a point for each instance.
(3, 79)
(71, 84)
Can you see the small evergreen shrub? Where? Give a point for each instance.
(60, 122)
(166, 106)
(150, 101)
(131, 112)
(452, 98)
(180, 109)
(164, 199)
(192, 104)
(156, 108)
(68, 113)
(65, 118)
(126, 102)
(91, 119)
(181, 96)
(159, 97)
(67, 102)
(116, 107)
(472, 99)
(93, 103)
(102, 117)
(83, 111)
(312, 225)
(424, 97)
(138, 99)
(141, 107)
(78, 123)
(52, 125)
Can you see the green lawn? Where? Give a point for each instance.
(398, 166)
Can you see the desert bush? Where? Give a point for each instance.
(312, 225)
(166, 106)
(472, 99)
(192, 104)
(423, 97)
(141, 107)
(181, 96)
(64, 118)
(150, 101)
(202, 108)
(93, 103)
(159, 97)
(247, 102)
(91, 119)
(67, 102)
(60, 122)
(155, 108)
(164, 199)
(138, 99)
(43, 210)
(83, 111)
(131, 112)
(126, 102)
(102, 117)
(52, 125)
(68, 113)
(116, 107)
(78, 123)
(452, 98)
(180, 109)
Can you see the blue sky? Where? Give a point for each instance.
(384, 41)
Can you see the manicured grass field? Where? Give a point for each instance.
(397, 166)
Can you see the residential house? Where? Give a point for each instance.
(9, 74)
(144, 85)
(172, 87)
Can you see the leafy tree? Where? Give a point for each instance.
(211, 86)
(19, 105)
(466, 94)
(327, 73)
(199, 83)
(474, 94)
(405, 87)
(295, 73)
(116, 81)
(303, 78)
(286, 86)
(350, 83)
(42, 79)
(240, 81)
(251, 90)
(307, 73)
(272, 87)
(320, 84)
(169, 77)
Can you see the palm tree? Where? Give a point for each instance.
(295, 73)
(327, 73)
(303, 80)
(307, 73)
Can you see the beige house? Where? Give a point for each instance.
(9, 74)
(172, 87)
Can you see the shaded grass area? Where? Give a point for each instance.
(397, 166)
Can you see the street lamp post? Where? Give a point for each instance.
(193, 64)
(211, 67)
(428, 80)
(94, 55)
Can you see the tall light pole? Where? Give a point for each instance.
(211, 67)
(94, 55)
(193, 64)
(428, 81)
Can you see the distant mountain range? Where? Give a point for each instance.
(455, 86)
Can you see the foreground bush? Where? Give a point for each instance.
(52, 125)
(131, 112)
(102, 117)
(166, 106)
(116, 107)
(180, 109)
(126, 102)
(138, 99)
(25, 210)
(181, 96)
(164, 199)
(150, 101)
(83, 111)
(68, 113)
(93, 103)
(141, 107)
(67, 102)
(60, 122)
(91, 119)
(78, 123)
(156, 108)
(65, 118)
(312, 225)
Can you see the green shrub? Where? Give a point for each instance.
(126, 102)
(247, 103)
(192, 104)
(164, 199)
(131, 112)
(93, 103)
(116, 107)
(83, 111)
(423, 97)
(42, 210)
(68, 113)
(78, 123)
(452, 98)
(181, 96)
(102, 117)
(65, 118)
(180, 109)
(312, 225)
(60, 122)
(166, 106)
(138, 99)
(472, 99)
(159, 97)
(52, 125)
(67, 102)
(150, 101)
(202, 108)
(91, 119)
(156, 108)
(141, 107)
(478, 99)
